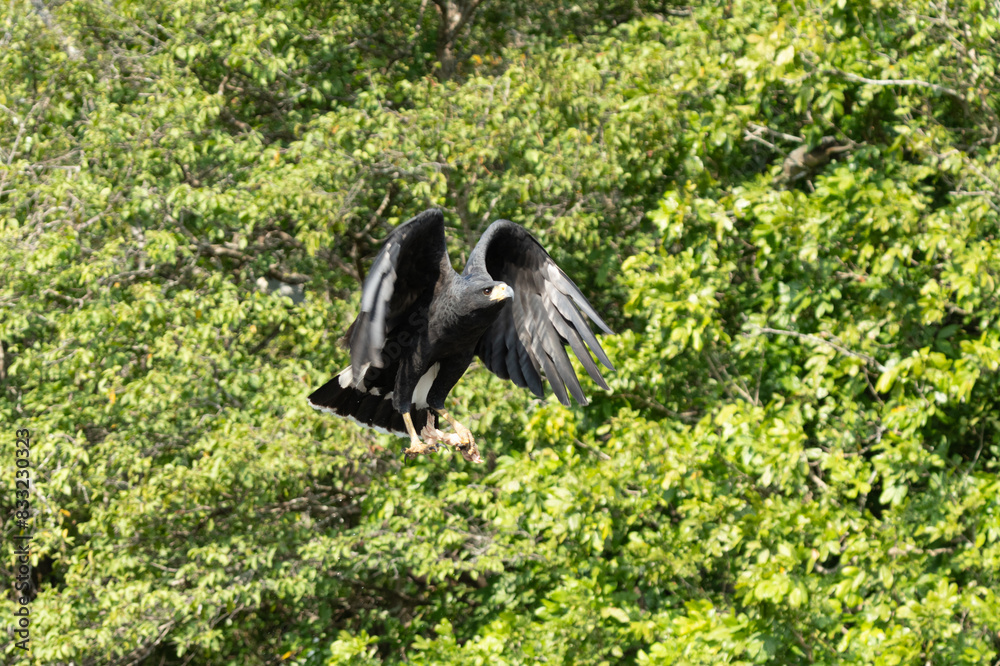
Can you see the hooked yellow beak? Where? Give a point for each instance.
(501, 291)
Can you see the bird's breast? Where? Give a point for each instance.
(424, 385)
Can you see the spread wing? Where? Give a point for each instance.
(403, 274)
(529, 338)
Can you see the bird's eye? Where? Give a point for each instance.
(487, 291)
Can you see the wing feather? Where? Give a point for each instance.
(404, 272)
(555, 381)
(580, 338)
(572, 337)
(512, 360)
(548, 312)
(566, 286)
(553, 345)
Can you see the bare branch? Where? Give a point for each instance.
(944, 90)
(290, 278)
(749, 136)
(757, 129)
(50, 22)
(812, 338)
(273, 271)
(597, 452)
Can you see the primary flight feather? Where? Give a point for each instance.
(421, 324)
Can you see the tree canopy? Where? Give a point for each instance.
(789, 212)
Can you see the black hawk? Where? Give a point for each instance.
(421, 324)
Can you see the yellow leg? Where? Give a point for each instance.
(417, 446)
(408, 420)
(466, 443)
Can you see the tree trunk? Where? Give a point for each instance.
(455, 15)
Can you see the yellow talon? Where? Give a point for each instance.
(462, 439)
(417, 447)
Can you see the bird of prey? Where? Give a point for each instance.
(421, 325)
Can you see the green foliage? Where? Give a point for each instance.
(797, 462)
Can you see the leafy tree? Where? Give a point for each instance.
(797, 462)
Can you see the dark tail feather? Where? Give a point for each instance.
(365, 406)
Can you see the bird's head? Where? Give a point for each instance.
(486, 294)
(478, 303)
(497, 292)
